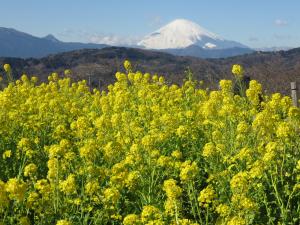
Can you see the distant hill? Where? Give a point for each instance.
(14, 43)
(275, 70)
(196, 51)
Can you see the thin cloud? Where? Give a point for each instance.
(282, 37)
(280, 23)
(73, 34)
(113, 40)
(109, 39)
(155, 21)
(253, 39)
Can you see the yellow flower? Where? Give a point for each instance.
(236, 220)
(257, 169)
(177, 154)
(206, 197)
(138, 77)
(188, 171)
(150, 213)
(182, 131)
(209, 149)
(155, 78)
(239, 181)
(131, 219)
(43, 187)
(184, 222)
(111, 195)
(284, 130)
(67, 72)
(164, 161)
(54, 76)
(132, 179)
(91, 187)
(173, 206)
(161, 80)
(34, 79)
(216, 136)
(172, 190)
(89, 150)
(271, 149)
(242, 128)
(226, 86)
(127, 66)
(6, 154)
(237, 70)
(223, 210)
(33, 200)
(30, 170)
(7, 68)
(298, 165)
(52, 168)
(63, 222)
(68, 186)
(294, 112)
(245, 202)
(24, 78)
(24, 144)
(121, 76)
(16, 189)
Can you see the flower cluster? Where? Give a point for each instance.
(143, 151)
(237, 70)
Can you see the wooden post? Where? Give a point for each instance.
(294, 93)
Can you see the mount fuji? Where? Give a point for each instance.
(184, 37)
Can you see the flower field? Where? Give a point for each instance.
(147, 152)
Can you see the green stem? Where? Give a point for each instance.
(176, 213)
(268, 209)
(193, 200)
(279, 200)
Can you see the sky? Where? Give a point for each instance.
(256, 23)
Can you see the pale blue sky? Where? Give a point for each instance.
(256, 23)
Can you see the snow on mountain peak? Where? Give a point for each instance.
(182, 33)
(209, 45)
(179, 33)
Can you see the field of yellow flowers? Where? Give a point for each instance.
(147, 152)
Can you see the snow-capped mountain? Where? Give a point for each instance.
(182, 33)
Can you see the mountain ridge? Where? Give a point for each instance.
(275, 70)
(15, 43)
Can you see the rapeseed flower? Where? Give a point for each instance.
(206, 196)
(30, 170)
(63, 222)
(146, 152)
(6, 154)
(127, 66)
(68, 186)
(237, 70)
(7, 68)
(16, 189)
